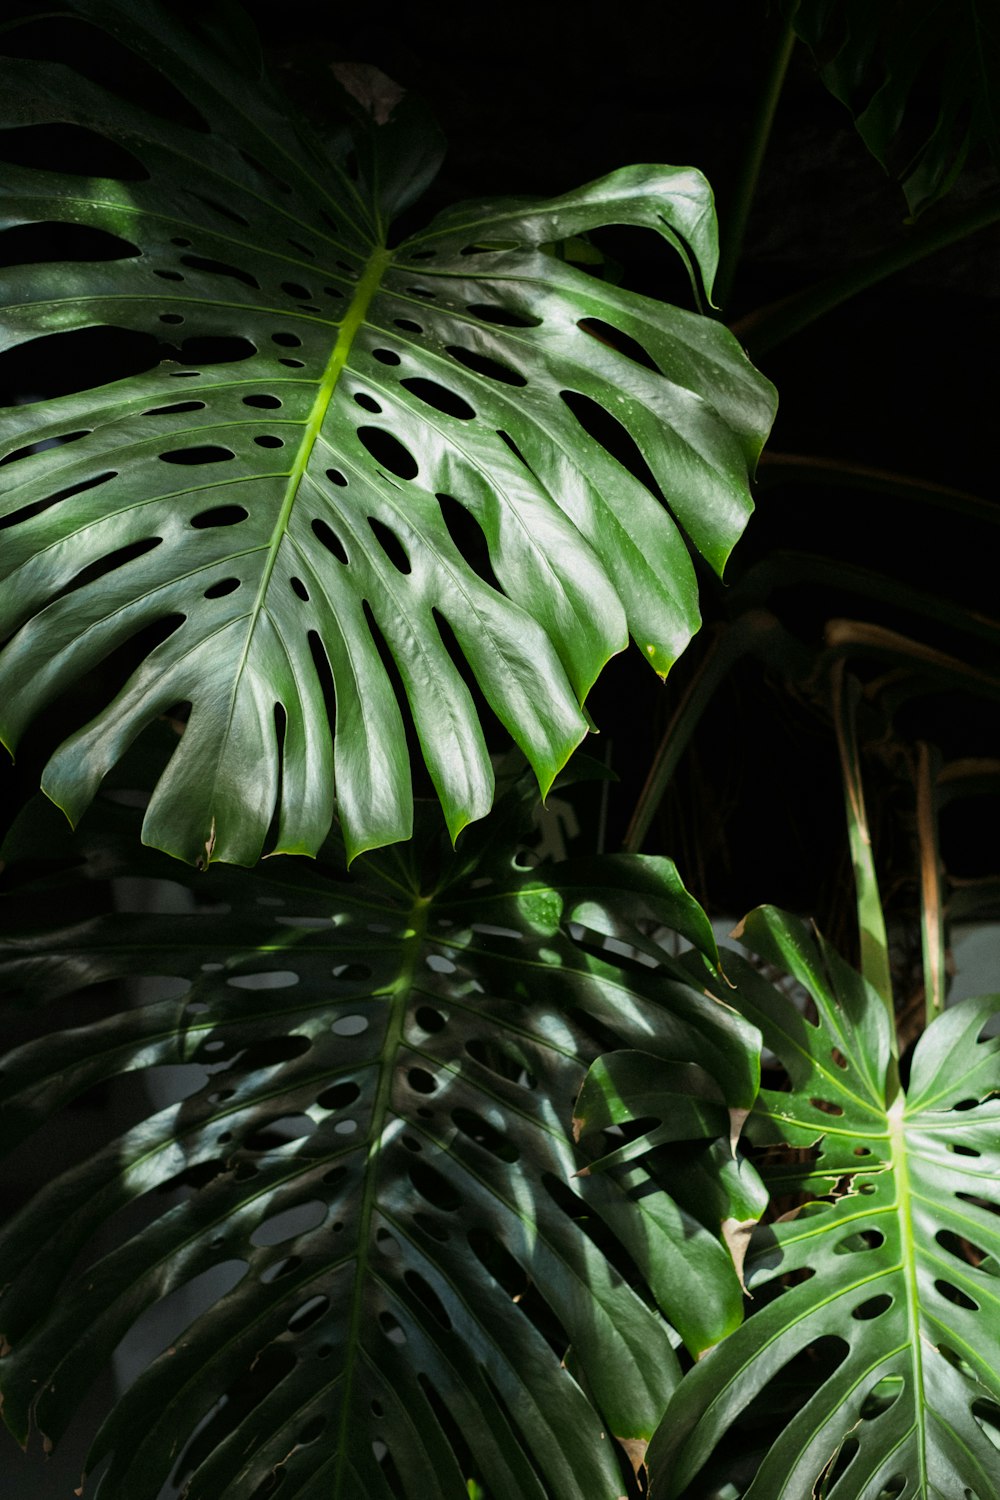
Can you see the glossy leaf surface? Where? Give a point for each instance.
(376, 1146)
(871, 1352)
(922, 81)
(335, 478)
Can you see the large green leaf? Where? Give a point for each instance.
(339, 453)
(395, 1055)
(922, 80)
(869, 1364)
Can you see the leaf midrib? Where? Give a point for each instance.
(896, 1120)
(398, 996)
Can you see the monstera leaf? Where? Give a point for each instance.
(375, 1146)
(338, 478)
(922, 81)
(868, 1366)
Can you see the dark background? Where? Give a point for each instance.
(539, 98)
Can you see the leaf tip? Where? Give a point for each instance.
(636, 1450)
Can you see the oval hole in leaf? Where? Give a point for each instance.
(223, 587)
(268, 979)
(352, 971)
(498, 1060)
(498, 1261)
(385, 356)
(612, 436)
(222, 209)
(280, 1268)
(311, 1431)
(296, 290)
(439, 397)
(27, 511)
(431, 1227)
(62, 364)
(961, 1248)
(205, 453)
(272, 1050)
(220, 268)
(826, 1106)
(622, 343)
(408, 325)
(469, 539)
(350, 1025)
(429, 1019)
(482, 364)
(268, 402)
(987, 1414)
(50, 242)
(955, 1295)
(53, 442)
(216, 349)
(104, 565)
(70, 148)
(219, 515)
(339, 1095)
(873, 1307)
(367, 402)
(484, 1134)
(432, 1187)
(335, 477)
(491, 312)
(960, 1150)
(280, 1131)
(268, 440)
(428, 1298)
(421, 1081)
(286, 340)
(309, 1313)
(330, 540)
(290, 1222)
(302, 249)
(174, 409)
(883, 1395)
(392, 1328)
(388, 451)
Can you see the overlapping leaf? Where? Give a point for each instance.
(868, 1366)
(337, 453)
(395, 1057)
(921, 79)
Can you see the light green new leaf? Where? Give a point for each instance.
(326, 455)
(872, 1350)
(376, 1146)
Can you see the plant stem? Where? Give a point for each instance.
(766, 327)
(746, 186)
(872, 934)
(932, 929)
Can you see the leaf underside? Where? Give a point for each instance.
(338, 490)
(375, 1148)
(868, 1366)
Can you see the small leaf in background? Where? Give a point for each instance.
(869, 1361)
(922, 81)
